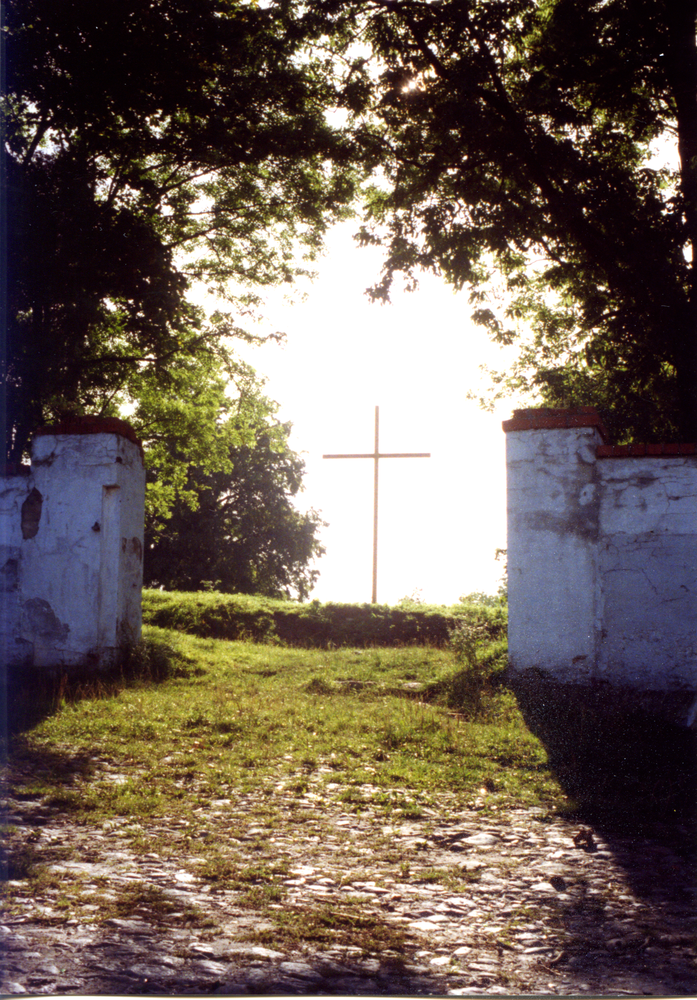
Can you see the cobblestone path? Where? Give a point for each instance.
(462, 903)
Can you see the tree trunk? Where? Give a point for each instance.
(681, 69)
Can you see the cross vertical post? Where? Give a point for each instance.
(376, 456)
(374, 598)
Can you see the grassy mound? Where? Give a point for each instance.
(314, 625)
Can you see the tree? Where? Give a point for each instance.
(517, 138)
(155, 145)
(150, 146)
(245, 535)
(193, 420)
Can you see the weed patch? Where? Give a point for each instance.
(455, 879)
(346, 926)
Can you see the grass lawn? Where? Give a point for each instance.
(238, 715)
(389, 733)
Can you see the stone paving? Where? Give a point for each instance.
(472, 904)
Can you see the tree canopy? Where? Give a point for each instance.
(245, 535)
(154, 146)
(518, 138)
(150, 147)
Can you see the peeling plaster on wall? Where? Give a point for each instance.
(9, 576)
(40, 619)
(552, 524)
(649, 570)
(650, 608)
(602, 558)
(31, 514)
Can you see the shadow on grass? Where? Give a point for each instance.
(37, 780)
(29, 694)
(33, 766)
(621, 755)
(40, 779)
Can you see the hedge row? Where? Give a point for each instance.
(260, 619)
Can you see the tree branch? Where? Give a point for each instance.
(42, 128)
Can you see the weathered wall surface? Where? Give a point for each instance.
(647, 568)
(552, 550)
(602, 555)
(74, 530)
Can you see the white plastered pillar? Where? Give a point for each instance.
(553, 506)
(81, 572)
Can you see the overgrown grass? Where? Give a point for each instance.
(28, 695)
(278, 738)
(330, 625)
(236, 716)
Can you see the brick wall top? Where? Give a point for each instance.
(92, 425)
(546, 418)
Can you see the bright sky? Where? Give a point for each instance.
(440, 519)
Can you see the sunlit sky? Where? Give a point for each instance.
(441, 519)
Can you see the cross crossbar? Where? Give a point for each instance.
(376, 456)
(385, 454)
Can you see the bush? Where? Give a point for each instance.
(480, 647)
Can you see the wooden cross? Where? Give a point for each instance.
(376, 456)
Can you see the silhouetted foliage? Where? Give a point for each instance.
(518, 139)
(150, 146)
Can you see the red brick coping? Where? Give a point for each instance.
(92, 425)
(546, 418)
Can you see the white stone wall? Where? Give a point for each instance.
(647, 564)
(552, 550)
(602, 557)
(78, 588)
